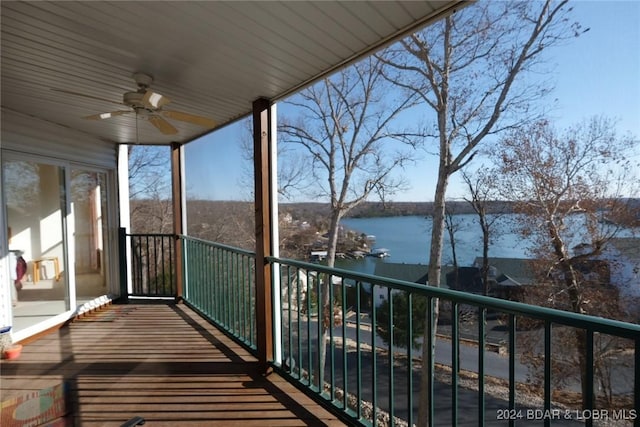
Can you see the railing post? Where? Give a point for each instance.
(122, 252)
(177, 196)
(263, 214)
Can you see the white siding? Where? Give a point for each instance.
(29, 135)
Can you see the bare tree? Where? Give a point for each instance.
(293, 172)
(150, 189)
(482, 189)
(567, 187)
(467, 70)
(345, 129)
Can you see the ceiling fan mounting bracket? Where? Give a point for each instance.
(133, 99)
(143, 80)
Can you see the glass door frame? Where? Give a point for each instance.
(68, 231)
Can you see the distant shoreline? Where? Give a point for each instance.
(389, 209)
(310, 210)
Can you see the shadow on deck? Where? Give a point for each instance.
(162, 362)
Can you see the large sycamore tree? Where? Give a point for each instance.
(571, 190)
(469, 71)
(346, 127)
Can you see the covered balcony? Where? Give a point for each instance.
(192, 332)
(202, 361)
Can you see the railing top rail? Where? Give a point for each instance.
(584, 321)
(150, 235)
(218, 245)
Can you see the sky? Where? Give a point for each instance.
(595, 74)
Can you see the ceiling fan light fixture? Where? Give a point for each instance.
(154, 100)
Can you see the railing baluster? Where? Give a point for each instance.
(237, 291)
(430, 356)
(547, 367)
(289, 341)
(512, 367)
(359, 354)
(589, 375)
(299, 318)
(320, 307)
(252, 295)
(140, 269)
(374, 365)
(309, 353)
(227, 297)
(345, 388)
(219, 285)
(208, 279)
(391, 343)
(455, 362)
(215, 300)
(172, 269)
(332, 347)
(409, 345)
(228, 290)
(205, 268)
(636, 381)
(482, 317)
(162, 269)
(154, 264)
(240, 284)
(146, 250)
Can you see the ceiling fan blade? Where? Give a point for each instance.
(103, 116)
(163, 126)
(153, 100)
(190, 118)
(84, 95)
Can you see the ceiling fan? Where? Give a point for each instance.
(148, 104)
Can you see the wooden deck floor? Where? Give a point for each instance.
(161, 362)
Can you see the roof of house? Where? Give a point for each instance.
(468, 279)
(415, 273)
(628, 247)
(517, 270)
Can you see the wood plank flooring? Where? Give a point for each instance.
(161, 362)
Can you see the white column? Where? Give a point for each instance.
(275, 239)
(123, 202)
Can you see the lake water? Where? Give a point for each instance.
(408, 238)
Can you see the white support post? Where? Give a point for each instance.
(123, 204)
(275, 240)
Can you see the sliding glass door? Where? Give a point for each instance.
(57, 235)
(89, 202)
(35, 210)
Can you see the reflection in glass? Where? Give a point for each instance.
(35, 208)
(88, 201)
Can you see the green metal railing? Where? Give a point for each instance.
(487, 362)
(530, 345)
(220, 283)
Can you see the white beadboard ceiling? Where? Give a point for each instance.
(62, 60)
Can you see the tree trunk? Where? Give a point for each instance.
(325, 305)
(485, 254)
(452, 237)
(435, 260)
(575, 298)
